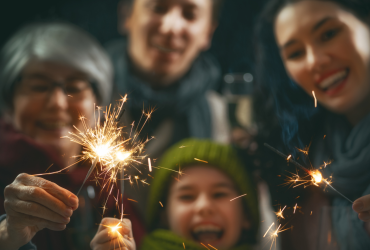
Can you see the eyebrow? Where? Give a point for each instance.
(320, 23)
(314, 28)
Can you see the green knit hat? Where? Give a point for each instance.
(220, 156)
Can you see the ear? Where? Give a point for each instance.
(208, 39)
(124, 11)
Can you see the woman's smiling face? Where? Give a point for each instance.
(199, 208)
(326, 49)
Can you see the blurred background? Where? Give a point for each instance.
(232, 43)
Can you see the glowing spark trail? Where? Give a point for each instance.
(316, 175)
(200, 160)
(295, 207)
(238, 197)
(314, 96)
(212, 246)
(204, 246)
(268, 229)
(150, 165)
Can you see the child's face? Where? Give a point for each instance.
(199, 208)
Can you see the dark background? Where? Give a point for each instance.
(232, 44)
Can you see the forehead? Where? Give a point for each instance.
(202, 177)
(49, 68)
(302, 16)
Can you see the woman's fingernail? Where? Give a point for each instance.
(73, 201)
(358, 205)
(68, 212)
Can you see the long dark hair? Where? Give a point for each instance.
(299, 119)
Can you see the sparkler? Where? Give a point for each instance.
(315, 174)
(107, 145)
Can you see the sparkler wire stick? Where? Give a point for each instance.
(93, 165)
(304, 169)
(122, 183)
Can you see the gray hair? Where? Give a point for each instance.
(56, 42)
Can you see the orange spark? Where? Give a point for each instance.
(212, 246)
(200, 160)
(131, 200)
(204, 246)
(183, 244)
(161, 204)
(238, 197)
(279, 214)
(290, 156)
(295, 207)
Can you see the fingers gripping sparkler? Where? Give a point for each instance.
(315, 174)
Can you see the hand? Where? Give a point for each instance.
(31, 204)
(114, 234)
(362, 207)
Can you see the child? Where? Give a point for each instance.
(198, 206)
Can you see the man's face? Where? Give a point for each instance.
(165, 36)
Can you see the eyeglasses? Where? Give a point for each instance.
(40, 87)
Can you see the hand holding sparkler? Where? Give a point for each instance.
(114, 234)
(362, 207)
(315, 174)
(32, 204)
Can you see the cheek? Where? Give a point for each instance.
(300, 75)
(84, 108)
(25, 113)
(179, 216)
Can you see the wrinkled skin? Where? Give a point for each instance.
(32, 204)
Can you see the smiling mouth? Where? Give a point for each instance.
(165, 49)
(334, 80)
(207, 233)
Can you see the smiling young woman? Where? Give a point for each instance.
(320, 49)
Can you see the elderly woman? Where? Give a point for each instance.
(51, 74)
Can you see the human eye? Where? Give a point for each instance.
(220, 194)
(158, 8)
(186, 197)
(329, 34)
(38, 85)
(75, 86)
(189, 13)
(295, 54)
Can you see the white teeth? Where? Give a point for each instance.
(333, 79)
(207, 228)
(163, 49)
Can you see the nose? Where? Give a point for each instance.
(317, 59)
(172, 22)
(204, 205)
(57, 99)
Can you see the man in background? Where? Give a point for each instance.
(162, 64)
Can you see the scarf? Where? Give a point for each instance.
(349, 148)
(184, 101)
(166, 240)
